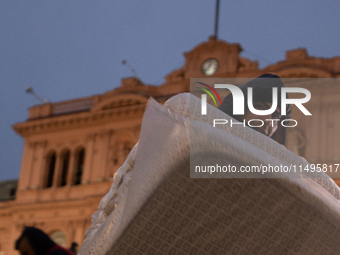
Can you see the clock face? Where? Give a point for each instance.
(210, 66)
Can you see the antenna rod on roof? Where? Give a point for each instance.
(30, 90)
(216, 17)
(125, 62)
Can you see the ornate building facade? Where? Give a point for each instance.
(72, 149)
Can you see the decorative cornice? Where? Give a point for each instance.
(120, 101)
(66, 122)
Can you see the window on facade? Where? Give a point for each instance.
(51, 160)
(126, 149)
(65, 165)
(59, 238)
(12, 192)
(80, 166)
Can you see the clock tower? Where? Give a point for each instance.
(215, 58)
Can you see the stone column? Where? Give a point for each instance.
(99, 167)
(79, 232)
(121, 156)
(108, 155)
(39, 166)
(71, 171)
(57, 170)
(89, 155)
(26, 165)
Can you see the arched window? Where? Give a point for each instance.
(65, 166)
(122, 149)
(127, 148)
(51, 160)
(59, 238)
(80, 156)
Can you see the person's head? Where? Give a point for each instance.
(33, 241)
(74, 247)
(262, 100)
(24, 246)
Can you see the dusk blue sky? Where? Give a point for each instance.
(69, 49)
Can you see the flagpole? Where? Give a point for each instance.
(216, 17)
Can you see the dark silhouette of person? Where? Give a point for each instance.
(74, 247)
(262, 100)
(34, 241)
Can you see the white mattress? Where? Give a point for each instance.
(154, 207)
